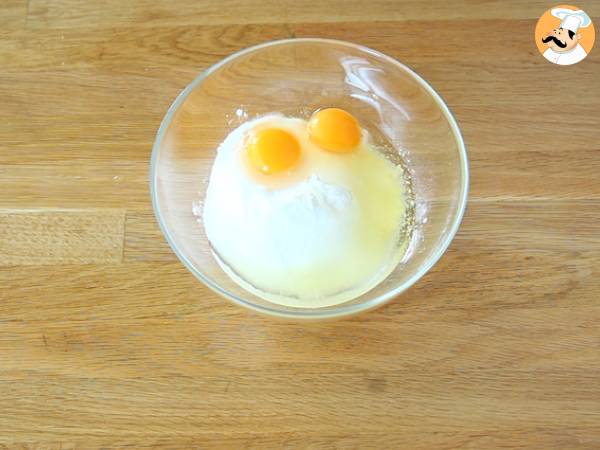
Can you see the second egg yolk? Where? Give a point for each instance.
(272, 150)
(334, 129)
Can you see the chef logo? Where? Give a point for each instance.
(564, 35)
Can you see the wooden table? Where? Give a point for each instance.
(107, 341)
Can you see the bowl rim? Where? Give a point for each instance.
(336, 311)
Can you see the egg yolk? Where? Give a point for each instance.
(272, 150)
(334, 129)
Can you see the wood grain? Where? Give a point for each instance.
(53, 236)
(107, 341)
(148, 13)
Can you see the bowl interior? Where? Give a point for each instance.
(295, 77)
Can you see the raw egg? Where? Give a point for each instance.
(272, 150)
(315, 227)
(334, 129)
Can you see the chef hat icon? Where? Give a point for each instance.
(572, 20)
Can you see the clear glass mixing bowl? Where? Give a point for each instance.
(296, 77)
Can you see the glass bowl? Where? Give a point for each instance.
(295, 77)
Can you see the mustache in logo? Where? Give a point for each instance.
(555, 40)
